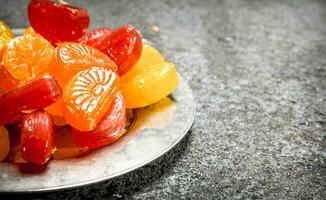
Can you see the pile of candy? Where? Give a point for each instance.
(65, 90)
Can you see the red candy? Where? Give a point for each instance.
(124, 47)
(33, 95)
(96, 38)
(57, 22)
(37, 132)
(108, 130)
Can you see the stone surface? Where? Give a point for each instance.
(258, 70)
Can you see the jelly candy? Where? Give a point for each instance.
(124, 48)
(29, 31)
(65, 145)
(87, 96)
(57, 22)
(96, 38)
(35, 94)
(27, 57)
(110, 128)
(5, 35)
(71, 58)
(149, 56)
(37, 132)
(146, 86)
(4, 143)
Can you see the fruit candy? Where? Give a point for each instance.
(110, 128)
(35, 94)
(124, 48)
(96, 38)
(65, 145)
(57, 22)
(5, 35)
(27, 57)
(37, 132)
(7, 82)
(4, 143)
(29, 31)
(146, 86)
(71, 58)
(88, 95)
(149, 56)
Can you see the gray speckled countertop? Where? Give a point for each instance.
(258, 71)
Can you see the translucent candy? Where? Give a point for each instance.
(5, 36)
(97, 38)
(27, 57)
(143, 87)
(71, 58)
(37, 134)
(110, 128)
(35, 94)
(124, 48)
(57, 22)
(87, 97)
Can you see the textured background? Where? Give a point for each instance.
(258, 70)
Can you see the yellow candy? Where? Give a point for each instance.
(150, 80)
(5, 35)
(4, 143)
(149, 56)
(145, 86)
(29, 31)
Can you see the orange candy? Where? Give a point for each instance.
(71, 58)
(87, 97)
(27, 57)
